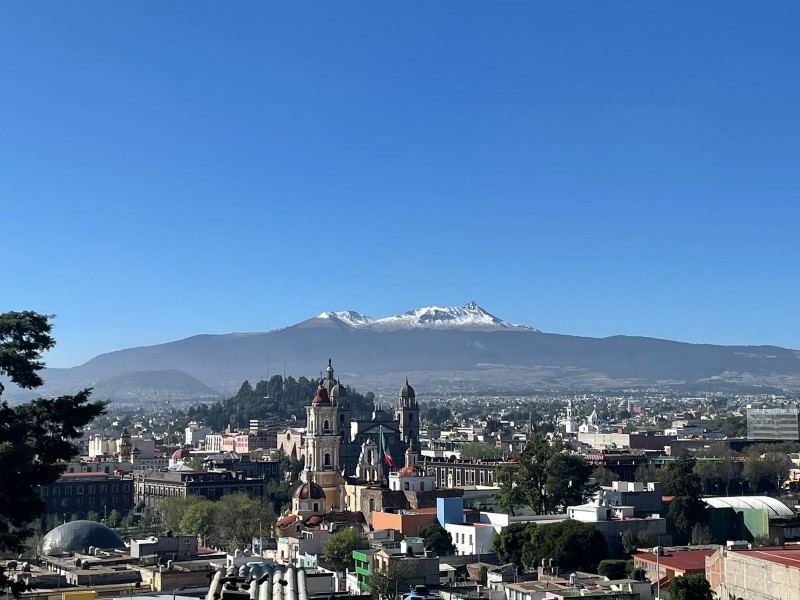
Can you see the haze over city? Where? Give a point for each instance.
(173, 169)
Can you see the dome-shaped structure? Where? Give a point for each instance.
(181, 454)
(407, 391)
(77, 536)
(321, 397)
(338, 391)
(308, 491)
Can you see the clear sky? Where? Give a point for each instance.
(591, 168)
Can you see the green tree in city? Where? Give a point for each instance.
(239, 518)
(604, 476)
(37, 438)
(613, 568)
(691, 587)
(480, 451)
(198, 519)
(390, 582)
(508, 544)
(648, 473)
(172, 510)
(575, 545)
(338, 549)
(681, 482)
(437, 539)
(544, 477)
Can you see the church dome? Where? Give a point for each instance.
(407, 391)
(338, 391)
(321, 396)
(181, 454)
(77, 536)
(308, 491)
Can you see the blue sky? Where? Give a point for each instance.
(174, 168)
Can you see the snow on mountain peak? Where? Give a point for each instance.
(470, 316)
(350, 317)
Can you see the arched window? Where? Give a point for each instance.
(326, 461)
(370, 457)
(411, 417)
(372, 505)
(326, 425)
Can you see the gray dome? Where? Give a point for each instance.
(407, 391)
(338, 391)
(77, 536)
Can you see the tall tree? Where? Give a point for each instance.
(388, 583)
(508, 544)
(544, 477)
(338, 549)
(437, 539)
(37, 438)
(239, 518)
(686, 507)
(691, 587)
(575, 545)
(199, 519)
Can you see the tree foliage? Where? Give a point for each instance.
(198, 519)
(691, 587)
(613, 568)
(686, 508)
(37, 438)
(338, 549)
(604, 476)
(508, 544)
(437, 539)
(768, 471)
(387, 583)
(480, 451)
(277, 396)
(575, 545)
(238, 518)
(545, 477)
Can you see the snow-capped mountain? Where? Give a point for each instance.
(467, 317)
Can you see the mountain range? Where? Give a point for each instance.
(440, 349)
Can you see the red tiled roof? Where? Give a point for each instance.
(686, 561)
(788, 557)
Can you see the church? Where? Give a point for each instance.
(341, 449)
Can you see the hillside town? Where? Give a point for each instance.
(635, 496)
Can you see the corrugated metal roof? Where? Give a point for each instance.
(775, 508)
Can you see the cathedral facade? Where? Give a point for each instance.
(340, 447)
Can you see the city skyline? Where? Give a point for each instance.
(172, 170)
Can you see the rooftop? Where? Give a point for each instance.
(788, 557)
(680, 560)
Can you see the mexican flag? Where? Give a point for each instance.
(387, 456)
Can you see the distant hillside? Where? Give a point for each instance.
(142, 385)
(469, 349)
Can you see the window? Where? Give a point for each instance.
(326, 461)
(421, 486)
(103, 488)
(44, 491)
(114, 488)
(316, 506)
(326, 425)
(406, 486)
(80, 490)
(91, 489)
